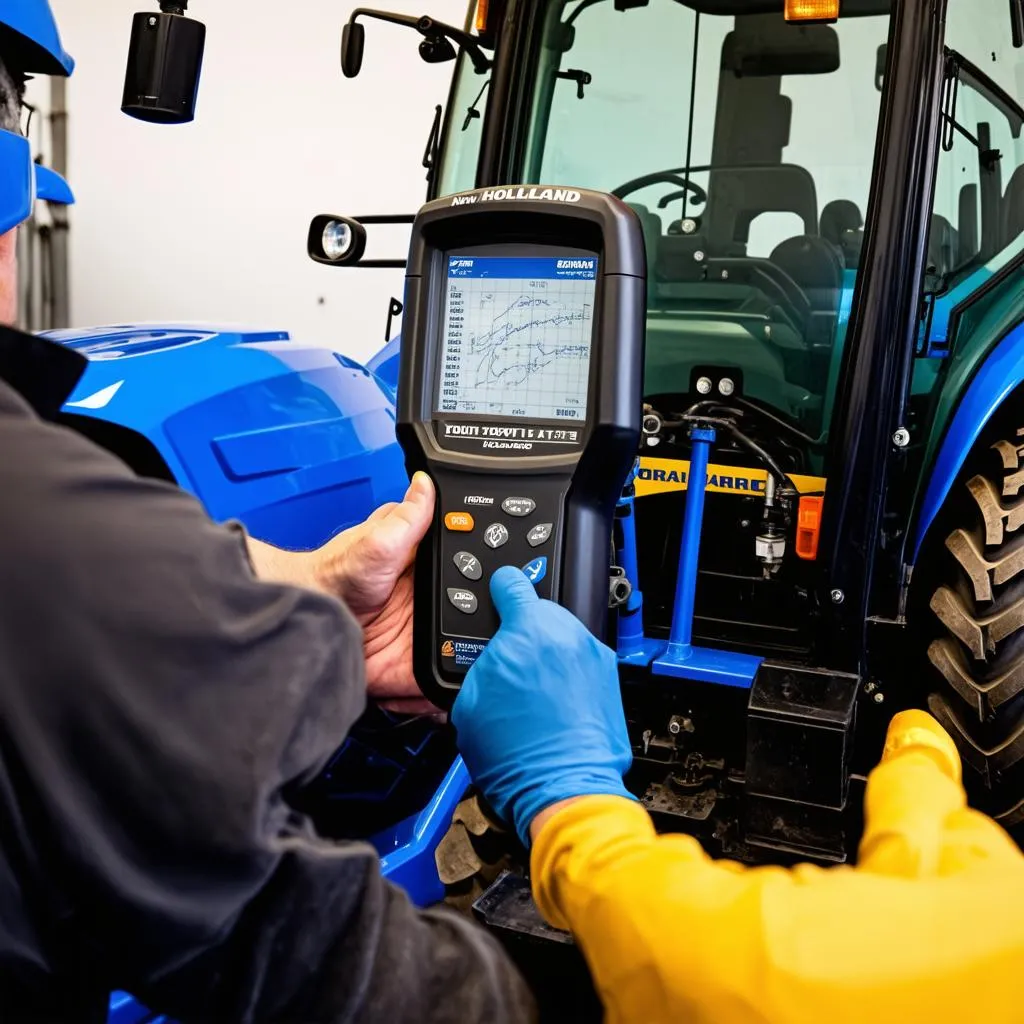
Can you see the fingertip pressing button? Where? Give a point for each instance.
(536, 570)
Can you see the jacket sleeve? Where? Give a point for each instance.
(928, 927)
(160, 706)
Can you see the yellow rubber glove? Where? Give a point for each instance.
(929, 927)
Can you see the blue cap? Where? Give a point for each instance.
(30, 40)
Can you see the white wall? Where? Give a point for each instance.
(209, 220)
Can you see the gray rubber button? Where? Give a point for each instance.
(496, 535)
(469, 565)
(518, 506)
(464, 600)
(539, 534)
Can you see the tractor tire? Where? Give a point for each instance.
(978, 651)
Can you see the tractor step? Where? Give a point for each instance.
(800, 732)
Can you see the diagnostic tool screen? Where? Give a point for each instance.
(518, 333)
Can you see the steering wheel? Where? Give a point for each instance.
(669, 177)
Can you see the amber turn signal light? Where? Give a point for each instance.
(811, 10)
(808, 527)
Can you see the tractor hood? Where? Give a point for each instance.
(294, 440)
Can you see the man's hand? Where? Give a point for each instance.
(370, 568)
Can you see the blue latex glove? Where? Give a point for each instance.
(539, 717)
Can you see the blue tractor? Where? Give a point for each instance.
(832, 197)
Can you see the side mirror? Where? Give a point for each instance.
(336, 241)
(165, 60)
(341, 241)
(353, 35)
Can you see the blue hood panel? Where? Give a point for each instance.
(295, 441)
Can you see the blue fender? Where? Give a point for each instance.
(1000, 373)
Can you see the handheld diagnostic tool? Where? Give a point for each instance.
(520, 394)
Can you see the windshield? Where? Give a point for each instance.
(746, 145)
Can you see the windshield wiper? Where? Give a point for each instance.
(432, 153)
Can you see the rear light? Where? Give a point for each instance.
(808, 527)
(812, 10)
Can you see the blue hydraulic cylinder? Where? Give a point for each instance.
(702, 438)
(632, 647)
(681, 659)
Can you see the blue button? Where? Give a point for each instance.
(537, 569)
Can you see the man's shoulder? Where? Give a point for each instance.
(41, 372)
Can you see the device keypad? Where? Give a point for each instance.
(468, 564)
(517, 529)
(460, 522)
(518, 506)
(540, 534)
(464, 600)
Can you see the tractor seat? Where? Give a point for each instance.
(843, 225)
(943, 247)
(816, 265)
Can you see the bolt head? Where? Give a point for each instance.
(879, 698)
(152, 22)
(704, 386)
(674, 727)
(699, 256)
(726, 386)
(838, 596)
(688, 226)
(901, 438)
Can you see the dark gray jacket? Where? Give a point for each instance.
(157, 705)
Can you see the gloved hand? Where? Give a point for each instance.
(539, 717)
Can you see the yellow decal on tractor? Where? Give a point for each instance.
(659, 476)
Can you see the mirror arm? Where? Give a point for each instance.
(429, 28)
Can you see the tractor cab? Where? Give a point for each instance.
(829, 195)
(745, 143)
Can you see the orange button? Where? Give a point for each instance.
(461, 522)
